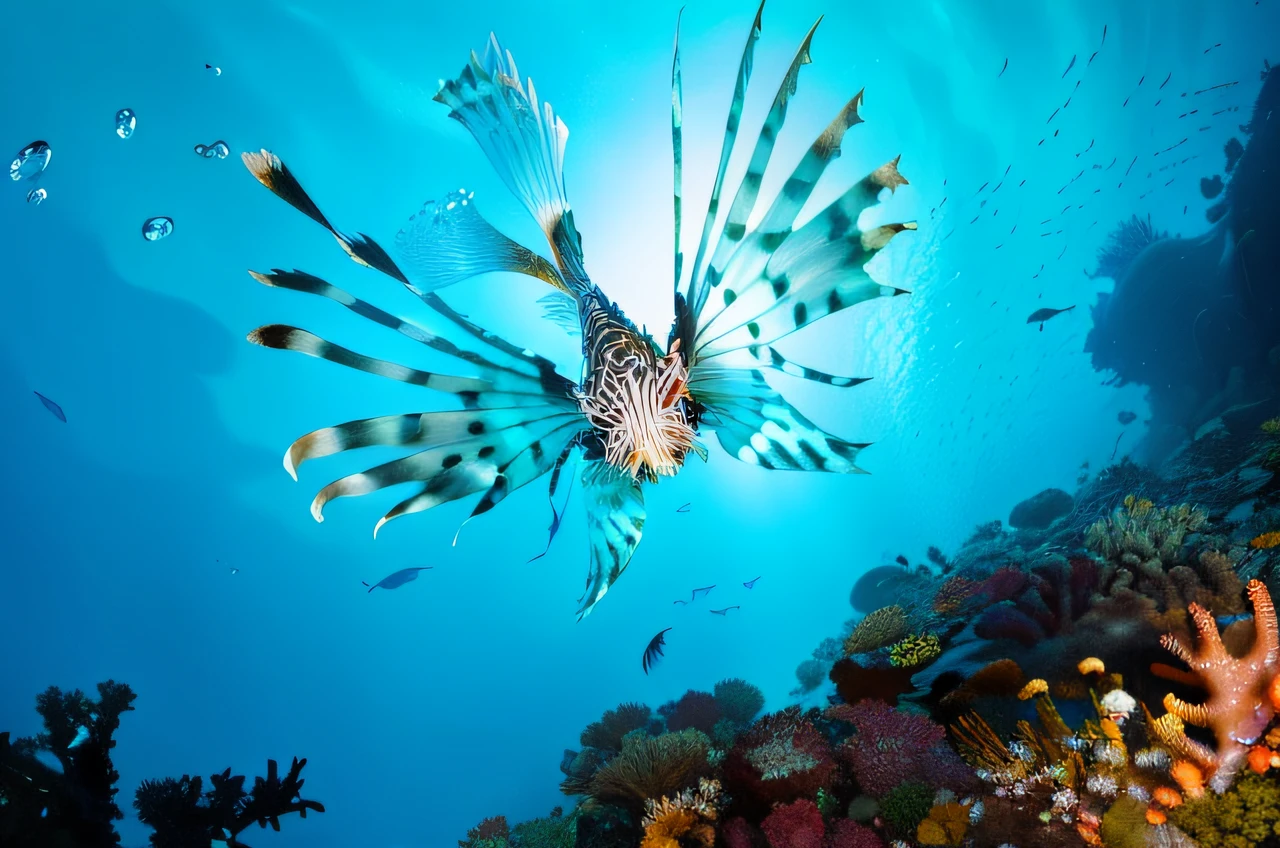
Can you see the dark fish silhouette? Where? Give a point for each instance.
(556, 516)
(1042, 315)
(398, 579)
(1104, 36)
(653, 653)
(1126, 417)
(685, 508)
(1166, 81)
(704, 590)
(751, 583)
(1069, 67)
(724, 611)
(902, 561)
(52, 407)
(680, 602)
(1005, 68)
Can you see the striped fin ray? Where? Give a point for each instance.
(615, 522)
(562, 310)
(449, 241)
(767, 356)
(815, 271)
(267, 168)
(677, 148)
(300, 281)
(536, 459)
(750, 257)
(524, 140)
(744, 200)
(436, 428)
(699, 288)
(756, 424)
(283, 337)
(474, 462)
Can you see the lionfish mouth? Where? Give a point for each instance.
(640, 406)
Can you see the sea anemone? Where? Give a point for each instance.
(651, 767)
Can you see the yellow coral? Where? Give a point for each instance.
(1266, 541)
(1092, 665)
(914, 651)
(1033, 688)
(880, 628)
(946, 825)
(1271, 427)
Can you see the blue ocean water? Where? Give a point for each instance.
(425, 709)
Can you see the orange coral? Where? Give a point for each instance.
(1236, 711)
(1274, 691)
(1189, 776)
(1265, 541)
(1155, 816)
(1260, 759)
(1166, 797)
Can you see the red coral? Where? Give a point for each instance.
(698, 710)
(796, 825)
(855, 682)
(1005, 585)
(492, 829)
(782, 757)
(891, 747)
(849, 834)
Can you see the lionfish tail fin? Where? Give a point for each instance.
(615, 522)
(524, 140)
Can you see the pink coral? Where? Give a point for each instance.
(795, 825)
(1004, 585)
(736, 833)
(850, 834)
(892, 746)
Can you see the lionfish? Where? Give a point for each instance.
(637, 411)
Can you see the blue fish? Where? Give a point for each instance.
(52, 407)
(398, 579)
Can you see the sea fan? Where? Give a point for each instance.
(1126, 241)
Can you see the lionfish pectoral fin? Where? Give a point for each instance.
(269, 170)
(449, 241)
(615, 522)
(524, 140)
(756, 425)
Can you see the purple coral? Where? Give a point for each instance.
(795, 825)
(698, 710)
(892, 746)
(849, 834)
(1008, 622)
(1004, 585)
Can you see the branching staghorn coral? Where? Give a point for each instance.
(879, 629)
(1238, 709)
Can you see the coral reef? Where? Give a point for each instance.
(73, 804)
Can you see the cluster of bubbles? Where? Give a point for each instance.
(28, 165)
(31, 161)
(126, 123)
(217, 150)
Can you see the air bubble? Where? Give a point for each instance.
(37, 196)
(217, 150)
(30, 162)
(154, 229)
(126, 122)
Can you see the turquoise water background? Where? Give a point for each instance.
(423, 710)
